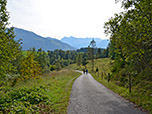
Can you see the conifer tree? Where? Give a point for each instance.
(9, 48)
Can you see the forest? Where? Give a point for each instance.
(131, 43)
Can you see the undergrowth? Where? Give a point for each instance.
(48, 94)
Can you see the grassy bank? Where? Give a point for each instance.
(48, 94)
(140, 95)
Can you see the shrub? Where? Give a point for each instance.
(23, 100)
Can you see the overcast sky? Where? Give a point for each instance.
(59, 18)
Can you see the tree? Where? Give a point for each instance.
(112, 53)
(43, 59)
(91, 48)
(30, 67)
(9, 48)
(131, 39)
(79, 59)
(58, 66)
(84, 60)
(105, 53)
(98, 55)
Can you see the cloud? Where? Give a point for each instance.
(59, 18)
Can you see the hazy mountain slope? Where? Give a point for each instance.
(31, 40)
(84, 42)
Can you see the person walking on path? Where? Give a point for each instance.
(86, 71)
(97, 71)
(83, 71)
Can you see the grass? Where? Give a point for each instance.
(139, 94)
(57, 88)
(136, 97)
(74, 67)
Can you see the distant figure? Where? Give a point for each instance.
(97, 69)
(86, 71)
(108, 77)
(83, 71)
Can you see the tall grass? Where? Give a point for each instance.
(48, 94)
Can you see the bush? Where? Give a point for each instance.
(23, 100)
(52, 67)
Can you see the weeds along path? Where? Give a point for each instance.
(90, 97)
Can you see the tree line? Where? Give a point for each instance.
(131, 42)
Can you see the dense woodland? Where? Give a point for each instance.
(131, 44)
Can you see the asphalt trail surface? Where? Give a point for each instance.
(90, 97)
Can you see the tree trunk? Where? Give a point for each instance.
(129, 83)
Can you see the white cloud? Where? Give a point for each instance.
(59, 18)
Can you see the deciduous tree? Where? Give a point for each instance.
(91, 48)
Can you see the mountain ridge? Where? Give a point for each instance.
(31, 39)
(84, 42)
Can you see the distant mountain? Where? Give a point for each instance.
(84, 42)
(31, 40)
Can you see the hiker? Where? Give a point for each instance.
(86, 71)
(83, 71)
(97, 69)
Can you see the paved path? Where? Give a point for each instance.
(90, 97)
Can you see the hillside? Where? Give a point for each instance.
(31, 40)
(84, 42)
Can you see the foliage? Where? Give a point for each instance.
(91, 52)
(84, 60)
(131, 40)
(79, 56)
(60, 54)
(141, 90)
(131, 49)
(9, 49)
(58, 66)
(98, 55)
(52, 67)
(79, 59)
(30, 67)
(48, 94)
(25, 100)
(43, 59)
(64, 58)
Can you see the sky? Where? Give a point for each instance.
(60, 18)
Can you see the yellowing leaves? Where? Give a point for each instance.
(30, 67)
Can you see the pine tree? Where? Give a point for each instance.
(9, 48)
